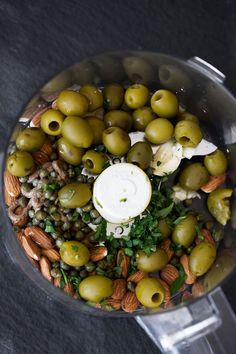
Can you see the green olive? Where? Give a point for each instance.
(72, 103)
(95, 288)
(51, 122)
(69, 153)
(142, 117)
(140, 154)
(20, 164)
(118, 118)
(116, 140)
(187, 116)
(113, 96)
(185, 232)
(93, 95)
(218, 204)
(98, 127)
(188, 133)
(216, 163)
(201, 258)
(165, 104)
(30, 139)
(193, 177)
(94, 161)
(150, 292)
(164, 228)
(77, 131)
(153, 263)
(74, 195)
(74, 253)
(136, 96)
(159, 131)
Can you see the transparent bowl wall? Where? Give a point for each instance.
(198, 92)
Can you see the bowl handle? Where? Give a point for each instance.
(207, 69)
(206, 326)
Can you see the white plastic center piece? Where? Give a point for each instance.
(121, 192)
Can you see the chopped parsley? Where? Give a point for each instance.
(176, 285)
(123, 200)
(199, 234)
(158, 163)
(50, 186)
(49, 227)
(101, 231)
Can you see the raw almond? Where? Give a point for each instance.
(123, 261)
(166, 246)
(36, 119)
(9, 200)
(115, 304)
(31, 248)
(119, 289)
(47, 147)
(68, 289)
(197, 289)
(45, 267)
(184, 260)
(33, 261)
(57, 282)
(167, 290)
(52, 254)
(40, 158)
(207, 237)
(98, 253)
(130, 302)
(137, 276)
(12, 184)
(169, 274)
(213, 183)
(39, 236)
(54, 105)
(22, 220)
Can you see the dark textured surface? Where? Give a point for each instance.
(39, 38)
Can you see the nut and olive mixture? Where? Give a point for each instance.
(49, 180)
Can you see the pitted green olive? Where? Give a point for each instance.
(165, 104)
(20, 164)
(116, 140)
(93, 95)
(140, 154)
(136, 96)
(98, 127)
(118, 118)
(69, 153)
(94, 161)
(188, 133)
(159, 131)
(216, 163)
(150, 292)
(74, 253)
(72, 103)
(188, 116)
(218, 204)
(113, 96)
(74, 195)
(201, 258)
(77, 132)
(95, 288)
(153, 263)
(193, 177)
(142, 117)
(185, 232)
(30, 139)
(164, 228)
(51, 122)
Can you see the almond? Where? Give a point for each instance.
(119, 289)
(54, 105)
(186, 296)
(31, 248)
(40, 158)
(166, 246)
(123, 261)
(213, 183)
(47, 147)
(98, 253)
(12, 184)
(36, 119)
(167, 290)
(169, 274)
(33, 261)
(19, 236)
(45, 267)
(137, 276)
(169, 305)
(39, 236)
(207, 237)
(184, 260)
(57, 282)
(52, 254)
(197, 289)
(9, 200)
(69, 289)
(115, 304)
(130, 302)
(23, 220)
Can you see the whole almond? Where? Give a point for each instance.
(40, 157)
(33, 261)
(30, 248)
(129, 302)
(213, 183)
(137, 276)
(54, 105)
(119, 289)
(36, 119)
(47, 147)
(57, 282)
(9, 200)
(45, 267)
(12, 184)
(197, 289)
(186, 296)
(123, 261)
(69, 289)
(52, 254)
(98, 253)
(39, 236)
(115, 304)
(166, 246)
(169, 274)
(184, 260)
(167, 290)
(23, 219)
(207, 237)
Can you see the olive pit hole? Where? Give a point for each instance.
(54, 126)
(89, 164)
(156, 297)
(158, 96)
(184, 139)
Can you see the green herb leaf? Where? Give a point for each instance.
(158, 163)
(101, 231)
(75, 215)
(163, 213)
(129, 252)
(50, 186)
(123, 200)
(177, 221)
(64, 276)
(176, 285)
(49, 227)
(199, 234)
(75, 248)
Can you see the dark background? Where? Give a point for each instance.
(40, 38)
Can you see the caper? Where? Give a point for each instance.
(35, 222)
(78, 224)
(79, 235)
(131, 286)
(94, 214)
(87, 207)
(55, 235)
(55, 264)
(83, 273)
(23, 201)
(31, 213)
(59, 242)
(56, 216)
(26, 187)
(86, 229)
(52, 209)
(55, 273)
(23, 179)
(90, 267)
(64, 266)
(43, 173)
(42, 225)
(35, 182)
(40, 215)
(48, 194)
(97, 221)
(91, 180)
(66, 226)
